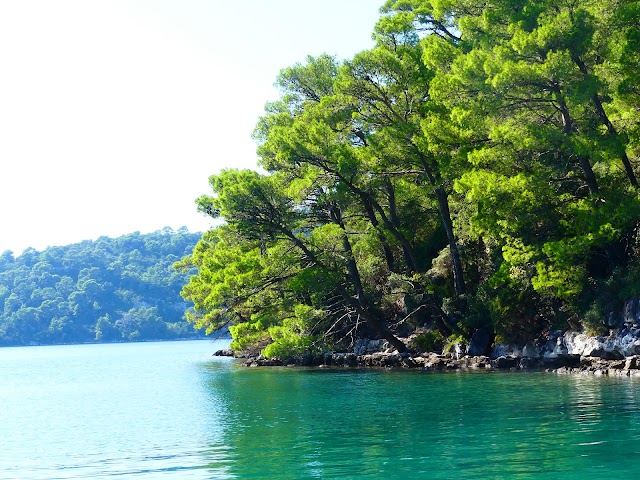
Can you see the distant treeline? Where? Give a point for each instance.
(111, 289)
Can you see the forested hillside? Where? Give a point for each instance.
(476, 169)
(111, 289)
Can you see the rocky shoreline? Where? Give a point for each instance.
(617, 354)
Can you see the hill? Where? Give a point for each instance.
(110, 289)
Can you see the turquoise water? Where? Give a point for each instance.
(171, 411)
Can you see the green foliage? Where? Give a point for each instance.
(452, 341)
(247, 335)
(429, 341)
(292, 335)
(593, 321)
(475, 168)
(111, 289)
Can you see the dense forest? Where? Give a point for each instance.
(476, 169)
(111, 289)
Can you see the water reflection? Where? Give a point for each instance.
(295, 424)
(218, 454)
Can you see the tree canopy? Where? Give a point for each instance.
(476, 168)
(110, 289)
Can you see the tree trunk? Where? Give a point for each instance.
(371, 214)
(407, 249)
(567, 129)
(456, 262)
(370, 206)
(611, 129)
(445, 215)
(368, 312)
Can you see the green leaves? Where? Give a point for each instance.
(477, 166)
(110, 289)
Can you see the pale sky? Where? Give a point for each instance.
(113, 114)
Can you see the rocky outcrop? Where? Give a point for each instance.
(225, 352)
(565, 352)
(629, 367)
(481, 342)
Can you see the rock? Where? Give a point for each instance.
(503, 350)
(344, 359)
(530, 350)
(629, 342)
(615, 346)
(617, 365)
(475, 362)
(614, 354)
(436, 363)
(453, 364)
(617, 353)
(350, 360)
(613, 317)
(506, 362)
(226, 352)
(613, 320)
(367, 346)
(636, 318)
(459, 350)
(528, 362)
(407, 362)
(629, 311)
(586, 346)
(328, 359)
(632, 363)
(480, 343)
(561, 361)
(555, 348)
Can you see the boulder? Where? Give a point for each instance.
(629, 311)
(583, 345)
(564, 360)
(613, 316)
(436, 363)
(530, 350)
(628, 342)
(366, 346)
(475, 362)
(226, 352)
(632, 363)
(481, 342)
(342, 360)
(506, 362)
(613, 320)
(555, 348)
(505, 349)
(528, 362)
(617, 365)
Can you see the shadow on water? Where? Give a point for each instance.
(358, 424)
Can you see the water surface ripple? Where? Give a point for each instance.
(171, 411)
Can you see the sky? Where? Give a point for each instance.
(114, 113)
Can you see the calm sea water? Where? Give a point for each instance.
(171, 411)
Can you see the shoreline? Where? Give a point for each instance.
(629, 367)
(568, 352)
